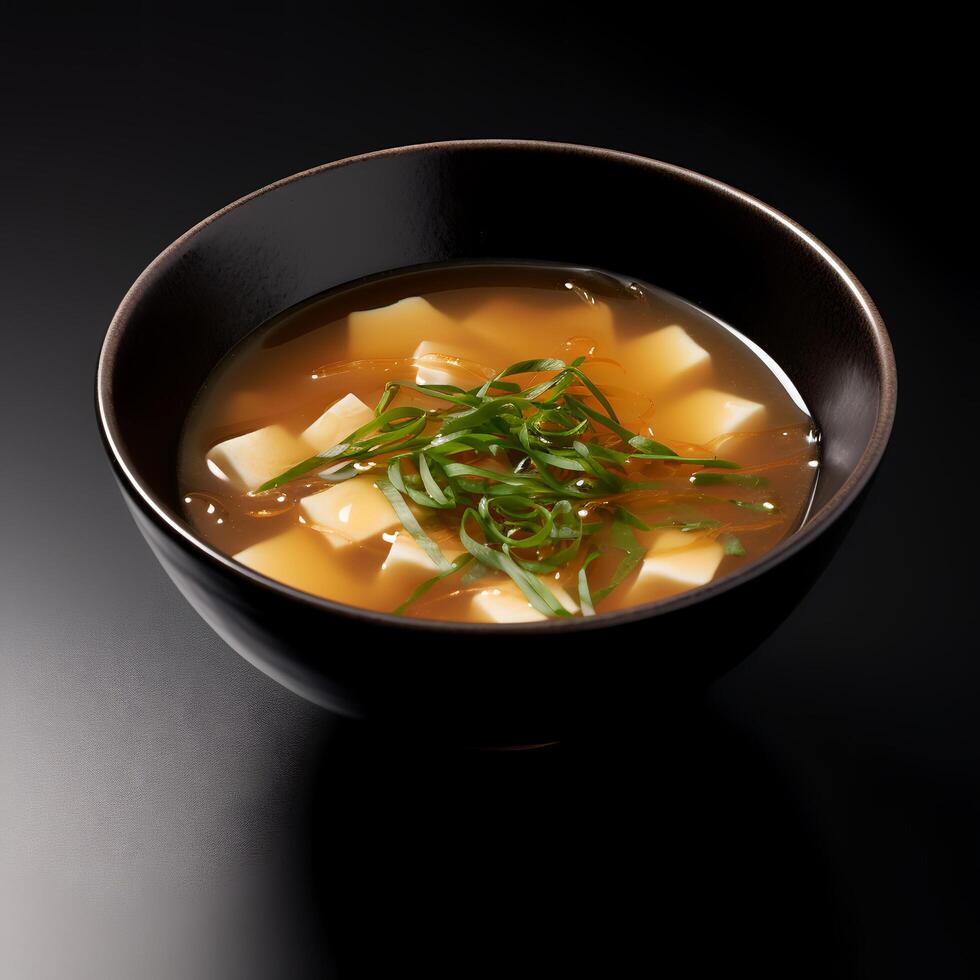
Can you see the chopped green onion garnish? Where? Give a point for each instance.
(732, 545)
(516, 470)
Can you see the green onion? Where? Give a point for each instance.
(456, 565)
(538, 594)
(411, 525)
(622, 537)
(732, 545)
(584, 595)
(627, 518)
(698, 525)
(529, 513)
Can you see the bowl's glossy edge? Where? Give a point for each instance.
(816, 524)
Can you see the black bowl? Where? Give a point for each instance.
(492, 200)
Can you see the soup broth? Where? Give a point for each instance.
(497, 444)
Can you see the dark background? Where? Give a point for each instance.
(167, 811)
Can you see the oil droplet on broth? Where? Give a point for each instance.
(272, 503)
(205, 511)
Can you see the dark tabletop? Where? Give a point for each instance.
(168, 811)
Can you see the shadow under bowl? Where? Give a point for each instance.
(501, 201)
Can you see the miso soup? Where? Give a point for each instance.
(497, 444)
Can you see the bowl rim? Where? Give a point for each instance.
(816, 523)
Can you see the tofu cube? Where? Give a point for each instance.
(300, 557)
(678, 560)
(665, 359)
(406, 557)
(250, 460)
(505, 603)
(449, 363)
(356, 510)
(672, 539)
(393, 331)
(706, 414)
(342, 418)
(546, 328)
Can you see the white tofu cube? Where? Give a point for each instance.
(355, 509)
(393, 331)
(449, 363)
(664, 359)
(406, 557)
(678, 560)
(339, 420)
(300, 557)
(545, 329)
(505, 603)
(706, 414)
(250, 460)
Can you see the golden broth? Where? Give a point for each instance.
(671, 372)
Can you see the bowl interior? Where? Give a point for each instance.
(703, 241)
